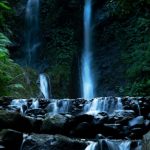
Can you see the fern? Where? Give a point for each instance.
(4, 6)
(4, 41)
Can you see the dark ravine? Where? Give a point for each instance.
(64, 124)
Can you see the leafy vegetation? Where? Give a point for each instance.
(13, 78)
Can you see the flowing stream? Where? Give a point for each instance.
(87, 81)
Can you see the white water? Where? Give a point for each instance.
(87, 82)
(32, 30)
(59, 106)
(91, 146)
(35, 104)
(18, 103)
(103, 104)
(45, 86)
(115, 144)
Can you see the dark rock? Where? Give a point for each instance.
(2, 147)
(11, 139)
(35, 112)
(36, 124)
(83, 130)
(54, 124)
(146, 141)
(50, 142)
(100, 119)
(14, 121)
(111, 130)
(136, 133)
(100, 136)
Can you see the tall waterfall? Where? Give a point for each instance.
(32, 42)
(87, 82)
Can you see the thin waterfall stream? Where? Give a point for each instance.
(87, 80)
(32, 41)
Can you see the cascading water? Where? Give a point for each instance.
(32, 41)
(19, 103)
(106, 144)
(91, 146)
(102, 104)
(59, 106)
(87, 81)
(45, 86)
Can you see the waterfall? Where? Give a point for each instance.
(87, 82)
(19, 103)
(35, 104)
(59, 106)
(32, 42)
(106, 144)
(45, 86)
(107, 104)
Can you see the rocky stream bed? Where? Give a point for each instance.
(105, 123)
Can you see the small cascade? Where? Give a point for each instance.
(138, 106)
(59, 106)
(45, 86)
(106, 144)
(19, 103)
(24, 139)
(103, 104)
(35, 104)
(139, 145)
(91, 146)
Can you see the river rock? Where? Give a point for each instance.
(14, 120)
(54, 124)
(83, 130)
(50, 142)
(11, 139)
(146, 141)
(138, 121)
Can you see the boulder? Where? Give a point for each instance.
(11, 139)
(83, 130)
(54, 124)
(14, 120)
(52, 142)
(138, 121)
(146, 141)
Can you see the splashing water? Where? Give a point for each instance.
(87, 82)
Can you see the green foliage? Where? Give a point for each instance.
(4, 6)
(122, 8)
(4, 11)
(136, 55)
(4, 41)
